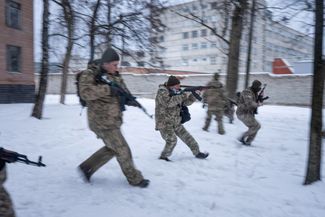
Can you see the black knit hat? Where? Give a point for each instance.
(109, 55)
(256, 84)
(172, 80)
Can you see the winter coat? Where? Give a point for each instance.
(168, 107)
(215, 97)
(246, 102)
(103, 104)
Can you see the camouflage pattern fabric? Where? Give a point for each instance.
(216, 100)
(103, 104)
(168, 120)
(105, 120)
(115, 146)
(245, 112)
(6, 208)
(170, 136)
(168, 108)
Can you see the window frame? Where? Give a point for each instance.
(9, 59)
(10, 8)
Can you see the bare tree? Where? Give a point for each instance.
(237, 9)
(39, 100)
(68, 23)
(250, 38)
(315, 139)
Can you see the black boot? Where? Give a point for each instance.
(143, 183)
(164, 158)
(85, 173)
(202, 155)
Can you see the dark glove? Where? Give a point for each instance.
(204, 105)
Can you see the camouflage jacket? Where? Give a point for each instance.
(215, 97)
(168, 107)
(103, 104)
(246, 102)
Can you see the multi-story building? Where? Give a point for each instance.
(192, 47)
(16, 52)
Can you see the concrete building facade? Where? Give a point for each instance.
(192, 47)
(16, 52)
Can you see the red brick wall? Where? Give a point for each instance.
(22, 38)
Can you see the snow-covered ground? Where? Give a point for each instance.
(264, 180)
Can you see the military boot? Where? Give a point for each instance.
(85, 173)
(202, 155)
(143, 183)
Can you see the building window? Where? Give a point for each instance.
(161, 38)
(140, 64)
(185, 62)
(204, 45)
(13, 14)
(185, 47)
(203, 32)
(13, 58)
(185, 35)
(214, 5)
(213, 60)
(194, 34)
(194, 46)
(213, 44)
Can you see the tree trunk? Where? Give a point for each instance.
(250, 38)
(315, 139)
(39, 100)
(69, 19)
(234, 48)
(92, 30)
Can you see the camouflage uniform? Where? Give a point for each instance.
(216, 100)
(6, 208)
(245, 112)
(168, 120)
(105, 120)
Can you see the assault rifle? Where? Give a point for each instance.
(125, 96)
(260, 97)
(192, 89)
(12, 157)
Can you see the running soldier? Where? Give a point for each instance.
(169, 101)
(216, 100)
(105, 119)
(247, 105)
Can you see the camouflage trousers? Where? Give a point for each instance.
(115, 146)
(170, 134)
(6, 209)
(229, 112)
(218, 114)
(252, 124)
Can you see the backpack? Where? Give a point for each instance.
(185, 114)
(82, 102)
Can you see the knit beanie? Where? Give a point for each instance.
(109, 55)
(256, 86)
(172, 80)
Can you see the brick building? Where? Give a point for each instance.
(16, 52)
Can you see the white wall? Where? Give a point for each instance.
(282, 89)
